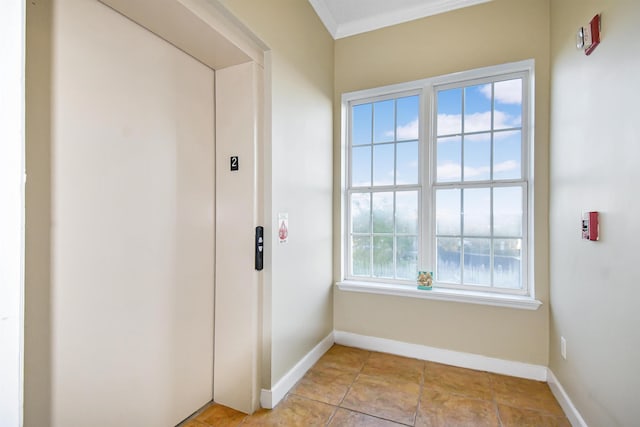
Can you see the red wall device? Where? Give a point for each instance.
(590, 226)
(594, 26)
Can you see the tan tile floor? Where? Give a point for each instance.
(353, 387)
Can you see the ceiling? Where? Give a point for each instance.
(345, 18)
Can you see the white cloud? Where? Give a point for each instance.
(485, 90)
(507, 92)
(471, 173)
(408, 131)
(451, 171)
(476, 122)
(506, 166)
(449, 124)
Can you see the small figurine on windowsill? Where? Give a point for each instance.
(425, 280)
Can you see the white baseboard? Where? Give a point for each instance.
(570, 410)
(270, 398)
(448, 357)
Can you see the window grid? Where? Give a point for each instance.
(394, 189)
(491, 184)
(394, 234)
(500, 243)
(491, 237)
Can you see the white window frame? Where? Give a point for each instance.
(390, 188)
(426, 88)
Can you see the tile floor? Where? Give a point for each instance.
(353, 387)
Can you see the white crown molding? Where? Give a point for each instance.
(398, 16)
(325, 16)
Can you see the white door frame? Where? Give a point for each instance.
(238, 58)
(12, 39)
(210, 34)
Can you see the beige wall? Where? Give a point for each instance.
(298, 309)
(594, 166)
(489, 34)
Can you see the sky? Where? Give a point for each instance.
(377, 120)
(467, 120)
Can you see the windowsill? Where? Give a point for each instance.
(440, 294)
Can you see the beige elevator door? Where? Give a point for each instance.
(133, 223)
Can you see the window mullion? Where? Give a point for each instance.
(462, 177)
(491, 240)
(371, 239)
(491, 176)
(427, 138)
(462, 136)
(462, 236)
(493, 118)
(394, 240)
(371, 144)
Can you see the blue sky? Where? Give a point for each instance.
(375, 123)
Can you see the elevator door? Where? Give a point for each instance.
(132, 223)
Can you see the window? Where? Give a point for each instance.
(385, 188)
(437, 179)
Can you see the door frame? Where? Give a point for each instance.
(209, 33)
(203, 29)
(224, 44)
(12, 169)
